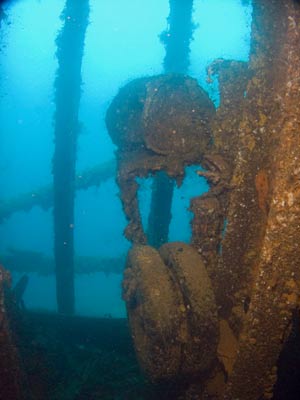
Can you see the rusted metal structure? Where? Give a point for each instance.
(70, 45)
(161, 123)
(43, 196)
(176, 40)
(245, 229)
(13, 384)
(217, 312)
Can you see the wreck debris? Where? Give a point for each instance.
(178, 36)
(26, 261)
(233, 77)
(176, 39)
(168, 113)
(127, 107)
(189, 272)
(209, 210)
(256, 276)
(176, 116)
(223, 316)
(217, 173)
(207, 229)
(67, 97)
(43, 196)
(172, 134)
(171, 310)
(247, 226)
(13, 379)
(154, 315)
(275, 274)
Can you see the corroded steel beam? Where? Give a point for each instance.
(43, 196)
(273, 282)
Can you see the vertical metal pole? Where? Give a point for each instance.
(177, 43)
(70, 45)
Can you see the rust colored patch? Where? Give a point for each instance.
(262, 188)
(228, 347)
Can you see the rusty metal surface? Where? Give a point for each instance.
(176, 116)
(275, 274)
(246, 227)
(12, 376)
(171, 309)
(160, 123)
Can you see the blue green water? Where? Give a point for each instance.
(122, 43)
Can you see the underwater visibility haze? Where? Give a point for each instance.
(121, 43)
(149, 199)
